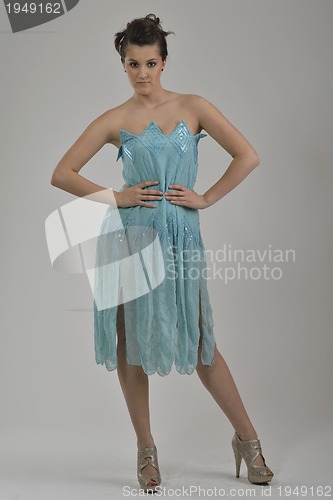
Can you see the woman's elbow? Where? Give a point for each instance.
(256, 160)
(250, 156)
(253, 159)
(57, 178)
(54, 180)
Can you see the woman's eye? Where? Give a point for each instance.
(135, 65)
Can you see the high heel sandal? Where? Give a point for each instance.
(148, 456)
(249, 451)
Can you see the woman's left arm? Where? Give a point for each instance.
(245, 158)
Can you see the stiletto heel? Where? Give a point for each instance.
(148, 456)
(238, 458)
(250, 450)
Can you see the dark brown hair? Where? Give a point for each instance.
(142, 31)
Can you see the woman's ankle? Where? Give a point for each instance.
(247, 435)
(145, 443)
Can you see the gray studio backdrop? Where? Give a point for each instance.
(266, 66)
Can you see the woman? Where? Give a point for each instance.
(157, 133)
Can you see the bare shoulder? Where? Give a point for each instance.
(217, 125)
(109, 122)
(194, 107)
(196, 103)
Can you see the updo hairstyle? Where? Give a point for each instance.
(142, 31)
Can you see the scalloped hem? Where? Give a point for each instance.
(174, 367)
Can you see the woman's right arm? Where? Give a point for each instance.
(66, 174)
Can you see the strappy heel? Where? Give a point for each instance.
(148, 456)
(250, 450)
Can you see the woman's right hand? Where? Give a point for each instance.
(136, 195)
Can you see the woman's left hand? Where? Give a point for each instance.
(180, 195)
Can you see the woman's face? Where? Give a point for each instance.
(143, 65)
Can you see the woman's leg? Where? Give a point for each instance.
(218, 380)
(135, 386)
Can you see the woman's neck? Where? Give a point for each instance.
(151, 100)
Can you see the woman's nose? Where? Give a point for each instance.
(142, 73)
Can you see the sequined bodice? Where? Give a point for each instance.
(153, 155)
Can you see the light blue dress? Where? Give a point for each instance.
(162, 262)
